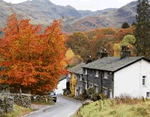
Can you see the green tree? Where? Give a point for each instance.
(125, 25)
(133, 24)
(142, 32)
(127, 40)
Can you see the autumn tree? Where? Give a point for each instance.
(79, 43)
(73, 83)
(104, 37)
(33, 57)
(123, 32)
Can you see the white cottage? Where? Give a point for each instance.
(61, 85)
(133, 79)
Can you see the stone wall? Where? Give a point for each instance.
(6, 104)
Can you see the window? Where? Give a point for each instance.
(85, 85)
(96, 74)
(69, 75)
(80, 90)
(96, 88)
(105, 91)
(90, 85)
(85, 71)
(106, 75)
(148, 94)
(80, 77)
(143, 80)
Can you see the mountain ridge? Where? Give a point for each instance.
(44, 12)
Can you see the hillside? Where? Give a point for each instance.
(44, 12)
(110, 18)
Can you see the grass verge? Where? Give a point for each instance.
(111, 108)
(18, 112)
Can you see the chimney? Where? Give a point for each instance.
(125, 52)
(103, 53)
(88, 59)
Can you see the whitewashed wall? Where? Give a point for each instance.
(61, 85)
(129, 80)
(145, 71)
(126, 80)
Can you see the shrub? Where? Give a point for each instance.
(90, 91)
(66, 92)
(80, 97)
(83, 96)
(95, 97)
(127, 99)
(103, 96)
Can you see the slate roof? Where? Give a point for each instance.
(77, 69)
(62, 77)
(112, 63)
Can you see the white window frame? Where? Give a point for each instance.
(90, 85)
(105, 90)
(96, 74)
(144, 80)
(148, 94)
(85, 71)
(105, 75)
(80, 90)
(96, 90)
(80, 77)
(85, 85)
(110, 93)
(69, 75)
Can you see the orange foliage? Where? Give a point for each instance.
(122, 32)
(34, 57)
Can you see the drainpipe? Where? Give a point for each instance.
(87, 81)
(101, 82)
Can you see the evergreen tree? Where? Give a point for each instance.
(125, 25)
(142, 32)
(133, 24)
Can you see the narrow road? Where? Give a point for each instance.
(64, 107)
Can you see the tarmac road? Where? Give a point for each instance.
(64, 107)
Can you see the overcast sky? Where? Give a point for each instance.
(86, 4)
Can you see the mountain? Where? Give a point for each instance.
(105, 18)
(44, 12)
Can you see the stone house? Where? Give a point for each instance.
(77, 71)
(115, 76)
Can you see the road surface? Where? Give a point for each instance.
(64, 107)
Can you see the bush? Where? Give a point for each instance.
(90, 91)
(103, 96)
(95, 97)
(66, 92)
(80, 97)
